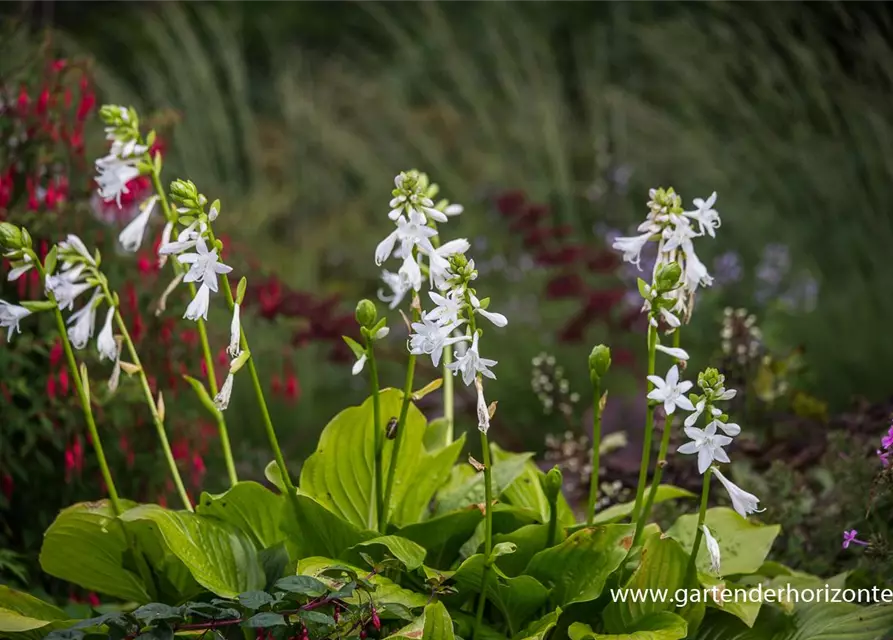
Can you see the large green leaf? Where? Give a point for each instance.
(527, 490)
(658, 626)
(470, 490)
(386, 591)
(577, 569)
(444, 535)
(427, 477)
(540, 629)
(506, 519)
(218, 555)
(434, 624)
(662, 571)
(745, 609)
(617, 512)
(517, 598)
(26, 616)
(313, 530)
(528, 540)
(251, 508)
(743, 544)
(87, 546)
(410, 554)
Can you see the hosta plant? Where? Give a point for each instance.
(392, 529)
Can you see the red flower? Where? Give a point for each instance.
(93, 599)
(292, 387)
(88, 100)
(58, 65)
(56, 353)
(51, 387)
(23, 101)
(42, 101)
(63, 381)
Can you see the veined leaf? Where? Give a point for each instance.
(658, 626)
(251, 508)
(434, 624)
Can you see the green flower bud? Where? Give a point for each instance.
(552, 484)
(599, 362)
(710, 378)
(366, 313)
(667, 277)
(10, 237)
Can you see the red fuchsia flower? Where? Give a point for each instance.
(51, 387)
(88, 101)
(180, 449)
(23, 101)
(93, 599)
(198, 469)
(376, 621)
(849, 537)
(43, 101)
(64, 381)
(292, 387)
(57, 65)
(69, 464)
(56, 353)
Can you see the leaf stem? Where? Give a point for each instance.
(649, 427)
(596, 448)
(377, 431)
(448, 393)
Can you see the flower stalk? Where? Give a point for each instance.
(649, 427)
(448, 393)
(691, 573)
(599, 363)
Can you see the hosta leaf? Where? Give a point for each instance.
(576, 569)
(540, 629)
(87, 546)
(251, 508)
(528, 540)
(434, 624)
(410, 554)
(433, 470)
(26, 616)
(658, 626)
(386, 591)
(443, 535)
(470, 490)
(219, 556)
(313, 530)
(743, 544)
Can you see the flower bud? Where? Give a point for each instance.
(710, 378)
(10, 237)
(667, 277)
(552, 484)
(366, 313)
(599, 362)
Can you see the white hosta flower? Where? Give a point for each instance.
(496, 318)
(82, 323)
(165, 240)
(10, 316)
(707, 444)
(398, 289)
(705, 215)
(670, 318)
(448, 308)
(743, 502)
(699, 409)
(198, 308)
(381, 333)
(17, 272)
(671, 391)
(359, 364)
(186, 239)
(113, 174)
(410, 273)
(429, 338)
(235, 333)
(205, 265)
(131, 237)
(221, 400)
(712, 550)
(65, 291)
(471, 363)
(678, 237)
(676, 352)
(74, 244)
(409, 232)
(632, 247)
(695, 273)
(453, 210)
(126, 150)
(482, 410)
(439, 266)
(105, 343)
(729, 428)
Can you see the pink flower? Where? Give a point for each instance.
(849, 537)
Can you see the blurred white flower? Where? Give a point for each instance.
(73, 244)
(676, 352)
(198, 308)
(235, 333)
(10, 316)
(398, 289)
(671, 391)
(24, 267)
(112, 176)
(221, 400)
(105, 343)
(705, 215)
(131, 237)
(82, 323)
(712, 550)
(410, 273)
(632, 247)
(359, 364)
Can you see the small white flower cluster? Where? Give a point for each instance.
(673, 229)
(119, 167)
(414, 212)
(10, 317)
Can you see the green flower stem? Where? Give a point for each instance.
(448, 392)
(203, 338)
(401, 431)
(699, 533)
(153, 407)
(596, 448)
(649, 427)
(379, 441)
(488, 533)
(659, 465)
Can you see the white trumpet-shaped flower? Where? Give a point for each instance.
(449, 306)
(707, 444)
(429, 338)
(471, 363)
(676, 352)
(17, 272)
(496, 318)
(198, 308)
(410, 232)
(632, 247)
(743, 502)
(699, 409)
(165, 240)
(398, 289)
(10, 316)
(205, 265)
(186, 239)
(359, 364)
(82, 323)
(131, 237)
(221, 400)
(705, 215)
(113, 174)
(729, 428)
(74, 244)
(105, 343)
(712, 550)
(670, 391)
(439, 265)
(410, 273)
(65, 291)
(483, 410)
(235, 333)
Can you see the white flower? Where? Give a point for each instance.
(632, 247)
(186, 239)
(676, 352)
(429, 338)
(439, 266)
(670, 391)
(448, 307)
(471, 363)
(82, 323)
(705, 215)
(707, 444)
(743, 502)
(496, 318)
(10, 316)
(678, 237)
(695, 272)
(453, 209)
(221, 400)
(65, 291)
(105, 343)
(113, 174)
(699, 409)
(712, 550)
(131, 237)
(381, 333)
(165, 241)
(126, 150)
(205, 265)
(410, 273)
(73, 243)
(213, 213)
(235, 333)
(198, 308)
(396, 285)
(670, 318)
(17, 272)
(729, 428)
(359, 364)
(410, 232)
(482, 410)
